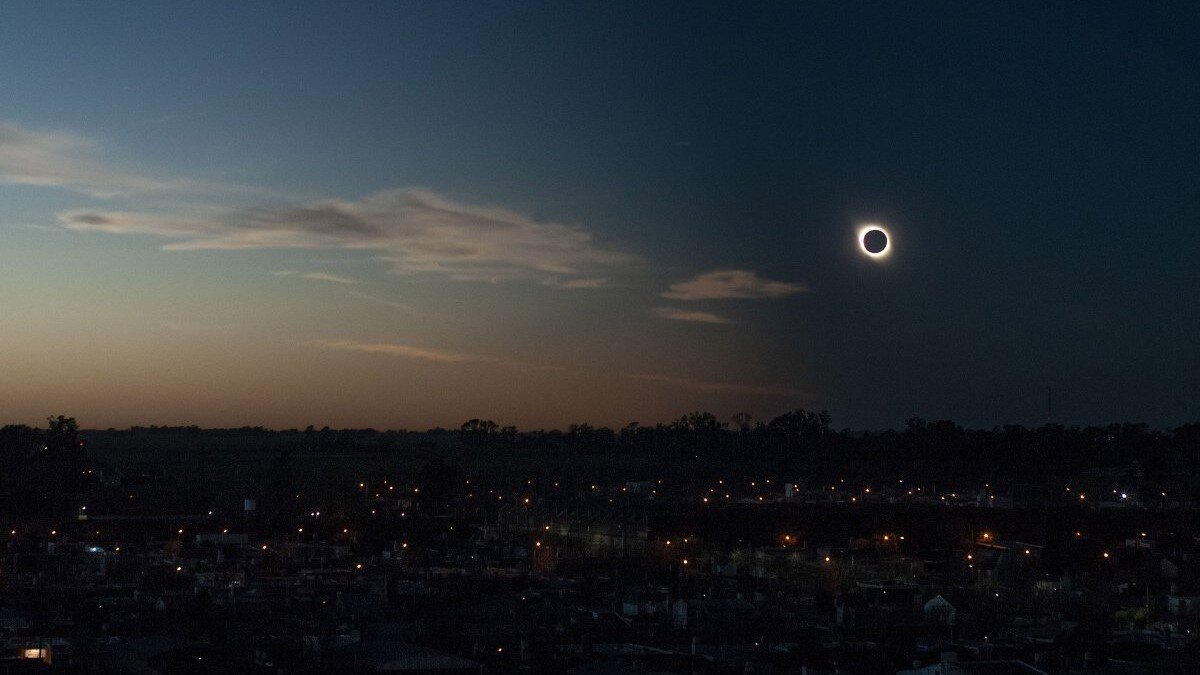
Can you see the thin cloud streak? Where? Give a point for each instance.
(446, 357)
(719, 387)
(597, 282)
(403, 350)
(317, 276)
(435, 355)
(676, 314)
(86, 220)
(382, 301)
(731, 284)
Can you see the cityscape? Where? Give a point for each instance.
(697, 546)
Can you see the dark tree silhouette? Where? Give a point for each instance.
(62, 434)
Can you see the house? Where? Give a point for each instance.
(940, 610)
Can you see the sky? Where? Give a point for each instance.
(406, 215)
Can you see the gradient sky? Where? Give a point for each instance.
(410, 214)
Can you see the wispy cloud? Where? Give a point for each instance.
(193, 326)
(59, 159)
(676, 314)
(414, 230)
(403, 350)
(720, 387)
(408, 351)
(382, 301)
(595, 282)
(316, 276)
(729, 284)
(86, 220)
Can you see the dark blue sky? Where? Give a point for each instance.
(411, 213)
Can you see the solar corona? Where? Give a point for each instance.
(874, 241)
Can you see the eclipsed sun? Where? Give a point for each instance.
(875, 241)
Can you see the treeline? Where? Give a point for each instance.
(43, 469)
(936, 449)
(802, 440)
(59, 438)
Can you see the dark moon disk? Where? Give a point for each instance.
(875, 241)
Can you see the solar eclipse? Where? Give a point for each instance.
(874, 241)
